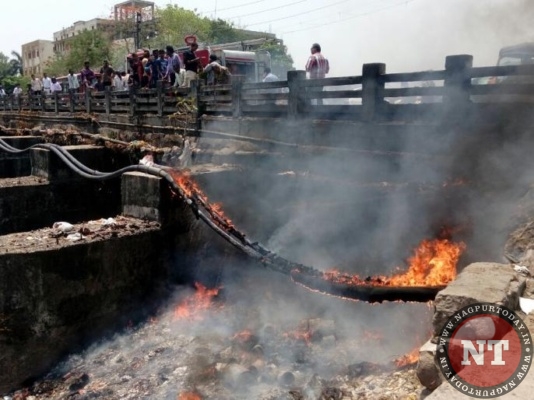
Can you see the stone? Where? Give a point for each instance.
(478, 282)
(427, 371)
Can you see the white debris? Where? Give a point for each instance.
(522, 269)
(74, 237)
(147, 160)
(185, 158)
(108, 222)
(526, 305)
(63, 226)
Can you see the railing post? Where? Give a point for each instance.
(71, 100)
(30, 100)
(195, 95)
(372, 90)
(88, 105)
(19, 102)
(133, 104)
(107, 99)
(296, 96)
(159, 94)
(43, 101)
(457, 80)
(56, 103)
(237, 91)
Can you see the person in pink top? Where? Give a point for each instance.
(317, 67)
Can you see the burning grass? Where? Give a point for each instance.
(192, 307)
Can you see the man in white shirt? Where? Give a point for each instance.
(268, 76)
(17, 91)
(55, 86)
(2, 91)
(47, 84)
(37, 86)
(117, 82)
(73, 82)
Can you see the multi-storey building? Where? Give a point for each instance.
(35, 56)
(63, 37)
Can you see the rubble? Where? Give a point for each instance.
(218, 356)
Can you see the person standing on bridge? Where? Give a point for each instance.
(192, 64)
(47, 84)
(317, 67)
(173, 65)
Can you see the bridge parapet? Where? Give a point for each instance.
(374, 96)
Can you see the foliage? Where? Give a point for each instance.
(92, 46)
(281, 61)
(221, 31)
(10, 82)
(10, 70)
(174, 23)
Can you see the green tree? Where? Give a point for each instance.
(174, 23)
(281, 61)
(16, 63)
(11, 81)
(221, 31)
(92, 46)
(5, 66)
(10, 70)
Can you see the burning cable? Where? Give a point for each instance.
(375, 289)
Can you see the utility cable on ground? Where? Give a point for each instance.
(308, 277)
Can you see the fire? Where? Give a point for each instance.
(189, 396)
(408, 359)
(201, 300)
(433, 264)
(191, 190)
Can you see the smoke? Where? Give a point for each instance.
(418, 35)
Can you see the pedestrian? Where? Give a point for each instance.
(268, 76)
(162, 64)
(72, 81)
(88, 76)
(117, 82)
(192, 64)
(317, 67)
(106, 75)
(2, 91)
(173, 65)
(47, 84)
(56, 86)
(17, 91)
(210, 70)
(37, 86)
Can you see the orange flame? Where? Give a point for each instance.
(201, 300)
(433, 264)
(191, 189)
(408, 359)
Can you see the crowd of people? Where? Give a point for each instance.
(160, 65)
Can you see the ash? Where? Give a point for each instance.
(261, 337)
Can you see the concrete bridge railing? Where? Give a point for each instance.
(372, 96)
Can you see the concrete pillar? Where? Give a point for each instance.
(372, 90)
(15, 165)
(149, 197)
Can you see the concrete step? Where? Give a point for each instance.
(13, 165)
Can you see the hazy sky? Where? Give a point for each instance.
(407, 35)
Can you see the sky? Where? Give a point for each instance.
(407, 35)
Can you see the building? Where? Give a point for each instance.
(62, 37)
(35, 55)
(128, 10)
